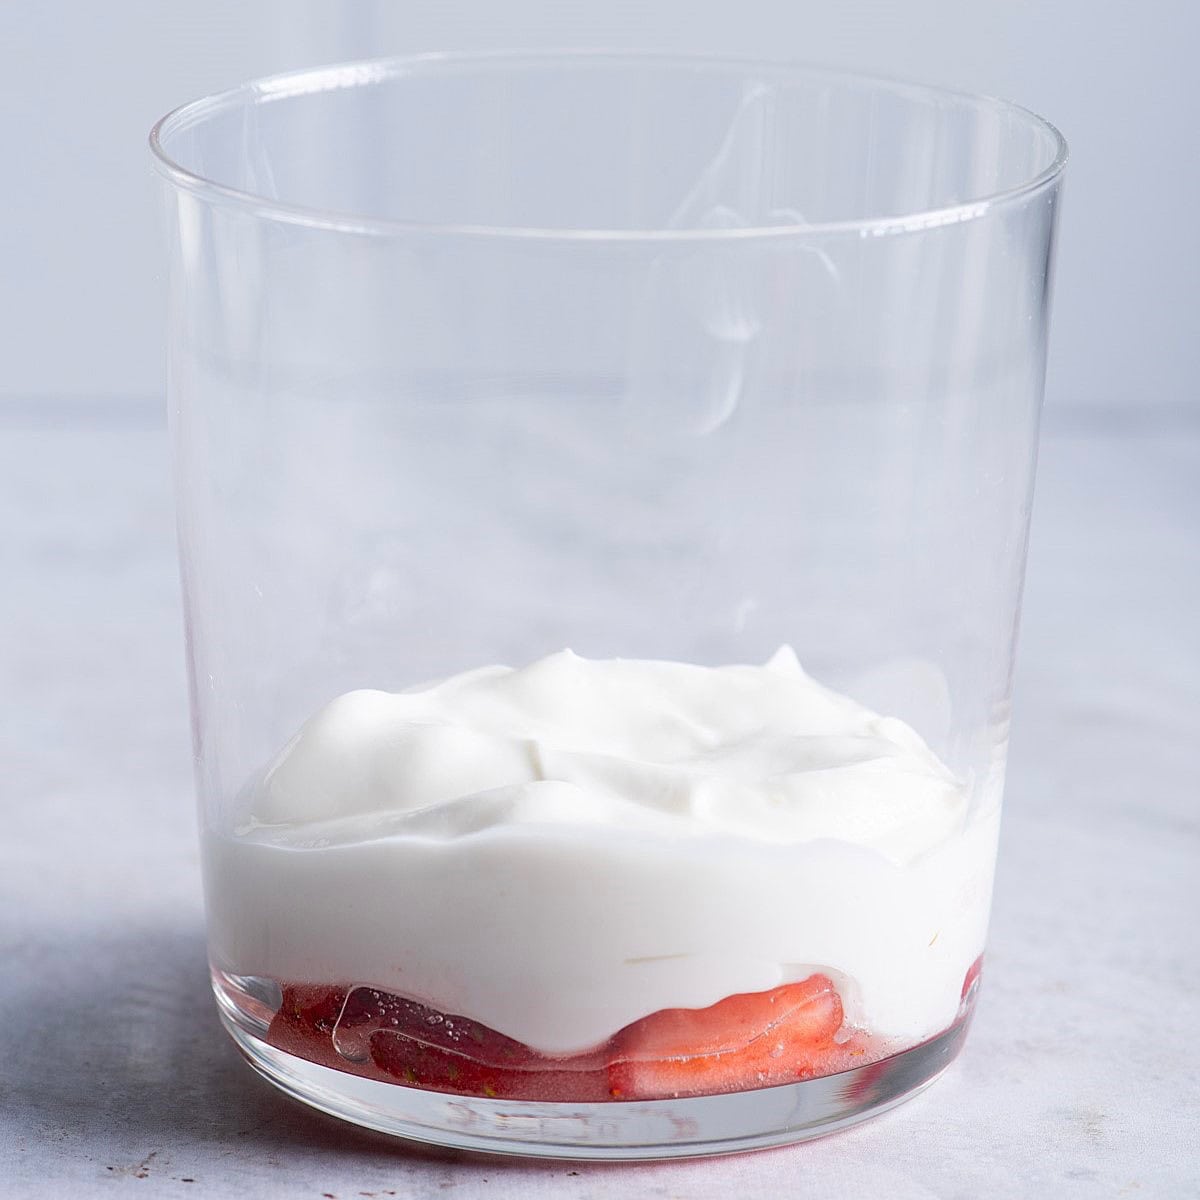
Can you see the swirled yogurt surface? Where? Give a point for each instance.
(558, 850)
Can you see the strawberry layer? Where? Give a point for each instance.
(760, 1039)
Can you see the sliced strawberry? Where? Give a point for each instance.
(745, 1041)
(312, 1008)
(495, 1066)
(756, 1039)
(446, 1053)
(382, 1036)
(305, 1022)
(811, 1009)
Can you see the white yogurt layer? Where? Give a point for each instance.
(559, 850)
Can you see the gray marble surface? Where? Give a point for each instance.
(1081, 1077)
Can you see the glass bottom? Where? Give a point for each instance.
(609, 1130)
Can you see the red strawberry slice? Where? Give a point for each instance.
(305, 1022)
(381, 1036)
(445, 1053)
(757, 1039)
(522, 1074)
(745, 1041)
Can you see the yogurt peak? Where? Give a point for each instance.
(762, 753)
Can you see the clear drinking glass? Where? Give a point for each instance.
(617, 371)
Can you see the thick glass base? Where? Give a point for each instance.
(612, 1130)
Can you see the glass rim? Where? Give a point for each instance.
(366, 72)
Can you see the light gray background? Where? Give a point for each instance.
(1081, 1076)
(81, 83)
